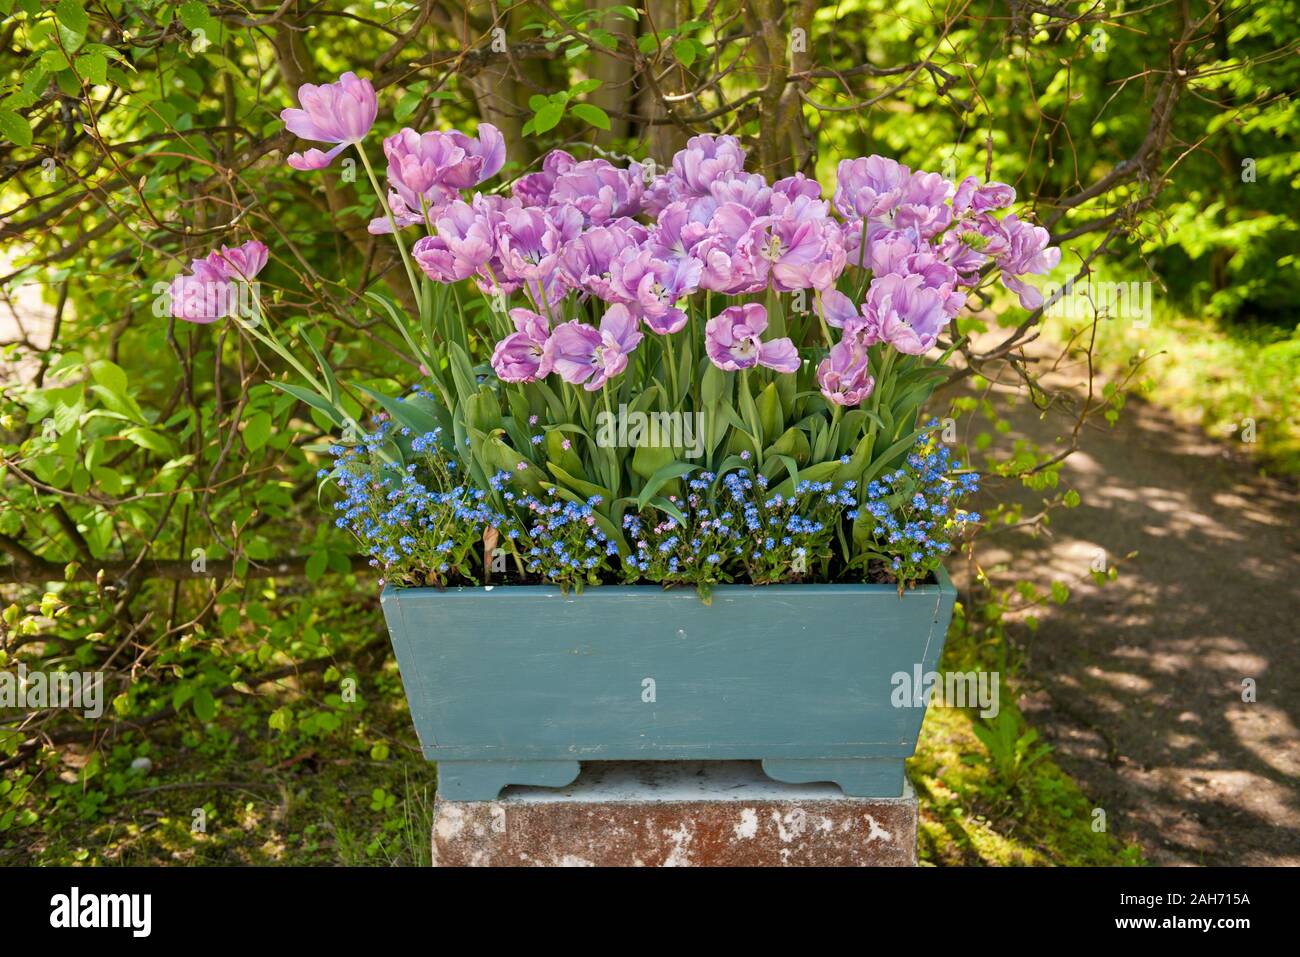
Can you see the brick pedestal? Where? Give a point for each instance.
(678, 814)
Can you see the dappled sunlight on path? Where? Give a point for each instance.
(1139, 684)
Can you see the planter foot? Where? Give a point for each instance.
(858, 777)
(483, 780)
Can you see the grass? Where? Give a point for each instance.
(1238, 382)
(234, 791)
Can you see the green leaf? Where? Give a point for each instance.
(316, 564)
(119, 404)
(52, 61)
(205, 706)
(685, 52)
(883, 461)
(110, 375)
(821, 472)
(593, 115)
(314, 400)
(793, 443)
(585, 87)
(647, 460)
(673, 470)
(668, 508)
(556, 452)
(548, 117)
(72, 42)
(34, 82)
(281, 719)
(195, 15)
(72, 16)
(69, 84)
(580, 486)
(462, 372)
(257, 430)
(405, 107)
(483, 410)
(151, 440)
(714, 385)
(770, 414)
(749, 411)
(413, 417)
(107, 479)
(93, 67)
(604, 38)
(331, 383)
(104, 51)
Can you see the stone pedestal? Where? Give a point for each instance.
(676, 814)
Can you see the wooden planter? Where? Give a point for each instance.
(518, 684)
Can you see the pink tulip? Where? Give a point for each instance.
(733, 340)
(340, 113)
(843, 375)
(520, 356)
(591, 357)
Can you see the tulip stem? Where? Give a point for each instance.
(672, 371)
(821, 318)
(882, 377)
(270, 339)
(392, 222)
(751, 416)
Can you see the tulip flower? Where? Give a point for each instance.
(733, 340)
(341, 113)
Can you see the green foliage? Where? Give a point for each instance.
(1056, 104)
(284, 772)
(1013, 751)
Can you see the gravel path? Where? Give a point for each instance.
(1139, 684)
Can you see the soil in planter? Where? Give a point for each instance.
(878, 573)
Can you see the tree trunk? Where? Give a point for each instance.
(662, 139)
(615, 74)
(784, 142)
(496, 92)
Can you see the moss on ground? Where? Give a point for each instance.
(334, 781)
(989, 791)
(969, 816)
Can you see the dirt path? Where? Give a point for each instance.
(1138, 685)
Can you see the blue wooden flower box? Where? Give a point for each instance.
(518, 684)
